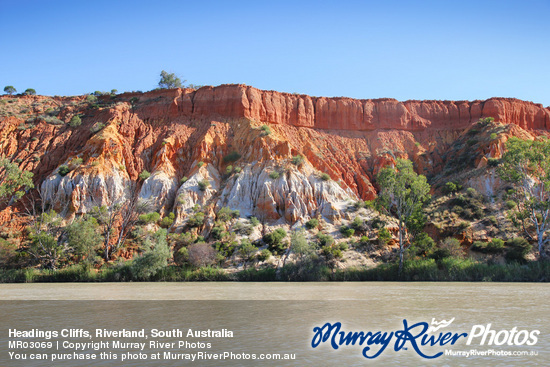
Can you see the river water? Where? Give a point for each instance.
(275, 318)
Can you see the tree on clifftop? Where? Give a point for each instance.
(170, 80)
(402, 195)
(526, 164)
(10, 89)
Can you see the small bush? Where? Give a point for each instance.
(167, 221)
(264, 255)
(274, 175)
(422, 246)
(30, 92)
(384, 236)
(91, 98)
(144, 175)
(510, 204)
(493, 162)
(203, 184)
(450, 187)
(200, 164)
(297, 160)
(274, 240)
(324, 239)
(237, 169)
(228, 170)
(378, 223)
(346, 231)
(231, 157)
(149, 218)
(196, 220)
(183, 180)
(266, 130)
(75, 121)
(254, 221)
(496, 246)
(517, 249)
(63, 170)
(312, 223)
(325, 177)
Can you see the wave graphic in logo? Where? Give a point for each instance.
(439, 325)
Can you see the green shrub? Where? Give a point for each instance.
(231, 157)
(510, 204)
(149, 218)
(203, 184)
(346, 231)
(471, 192)
(183, 180)
(312, 223)
(200, 164)
(274, 240)
(63, 170)
(517, 249)
(378, 223)
(167, 221)
(76, 162)
(325, 177)
(237, 169)
(266, 130)
(196, 220)
(493, 136)
(225, 214)
(30, 92)
(154, 258)
(90, 98)
(254, 221)
(228, 170)
(496, 246)
(264, 255)
(493, 162)
(450, 187)
(324, 239)
(384, 236)
(274, 175)
(297, 160)
(422, 246)
(486, 121)
(144, 175)
(75, 121)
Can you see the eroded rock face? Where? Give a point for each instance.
(170, 132)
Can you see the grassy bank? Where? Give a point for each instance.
(449, 269)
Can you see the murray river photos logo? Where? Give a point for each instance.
(421, 337)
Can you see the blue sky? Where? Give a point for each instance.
(360, 49)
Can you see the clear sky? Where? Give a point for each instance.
(361, 49)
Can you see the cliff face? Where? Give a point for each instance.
(183, 136)
(356, 115)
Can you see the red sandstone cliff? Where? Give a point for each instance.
(168, 132)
